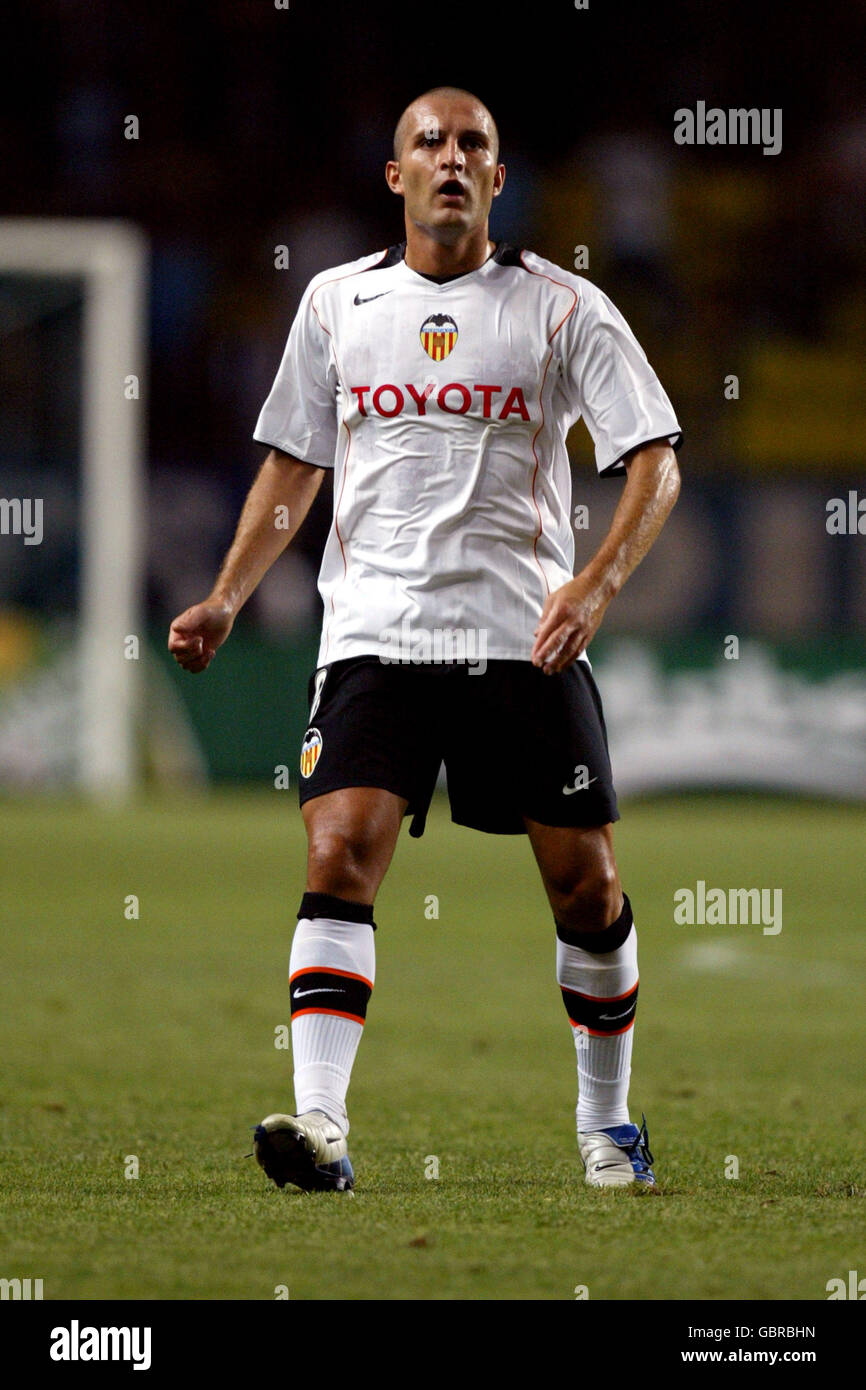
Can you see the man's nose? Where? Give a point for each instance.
(452, 155)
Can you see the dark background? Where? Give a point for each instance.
(262, 127)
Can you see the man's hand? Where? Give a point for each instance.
(569, 620)
(195, 635)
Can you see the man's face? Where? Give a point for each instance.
(447, 172)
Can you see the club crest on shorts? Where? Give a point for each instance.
(438, 336)
(310, 750)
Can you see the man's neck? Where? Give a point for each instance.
(430, 257)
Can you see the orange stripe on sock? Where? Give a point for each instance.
(326, 970)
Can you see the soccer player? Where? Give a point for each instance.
(438, 380)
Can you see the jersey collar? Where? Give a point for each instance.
(502, 254)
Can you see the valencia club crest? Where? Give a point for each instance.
(438, 336)
(310, 750)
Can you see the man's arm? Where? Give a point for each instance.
(572, 614)
(282, 482)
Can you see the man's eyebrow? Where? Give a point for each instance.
(423, 132)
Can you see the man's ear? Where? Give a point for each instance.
(393, 177)
(498, 180)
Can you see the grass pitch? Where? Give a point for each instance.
(154, 1039)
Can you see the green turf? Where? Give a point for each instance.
(155, 1038)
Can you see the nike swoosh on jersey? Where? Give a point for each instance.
(611, 1018)
(358, 300)
(300, 993)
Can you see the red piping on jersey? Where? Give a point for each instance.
(346, 427)
(562, 286)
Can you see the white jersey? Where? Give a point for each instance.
(443, 410)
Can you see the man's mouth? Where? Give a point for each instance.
(451, 188)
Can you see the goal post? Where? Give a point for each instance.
(111, 260)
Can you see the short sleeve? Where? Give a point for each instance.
(607, 377)
(300, 414)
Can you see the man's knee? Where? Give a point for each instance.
(342, 859)
(589, 901)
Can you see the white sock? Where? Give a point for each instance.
(332, 970)
(599, 989)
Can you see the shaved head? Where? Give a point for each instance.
(405, 122)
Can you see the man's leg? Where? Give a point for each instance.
(351, 837)
(351, 834)
(596, 968)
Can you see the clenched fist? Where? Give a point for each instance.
(195, 635)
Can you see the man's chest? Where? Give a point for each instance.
(406, 356)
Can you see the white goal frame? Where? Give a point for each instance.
(111, 258)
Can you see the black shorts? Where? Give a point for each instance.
(515, 742)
